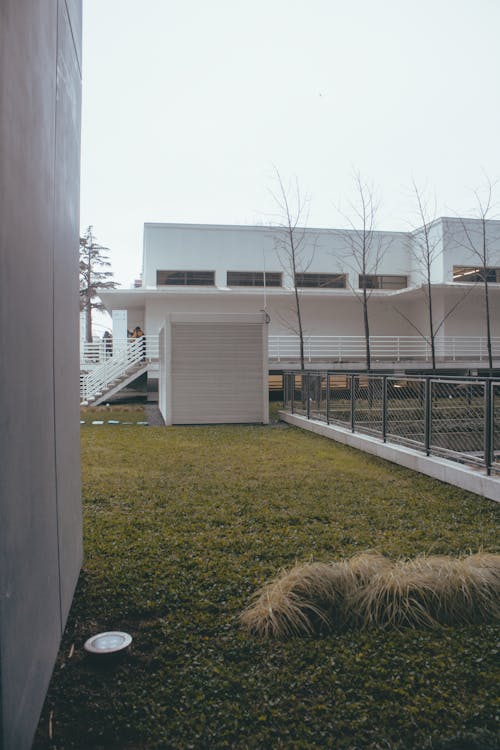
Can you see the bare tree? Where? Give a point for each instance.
(425, 249)
(364, 249)
(93, 260)
(425, 246)
(478, 239)
(294, 251)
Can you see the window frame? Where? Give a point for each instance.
(300, 277)
(186, 282)
(381, 282)
(253, 282)
(474, 274)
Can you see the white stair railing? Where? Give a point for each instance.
(129, 355)
(98, 352)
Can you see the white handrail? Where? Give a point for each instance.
(99, 351)
(116, 365)
(395, 348)
(106, 361)
(336, 348)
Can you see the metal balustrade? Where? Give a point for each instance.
(455, 418)
(386, 348)
(405, 410)
(331, 348)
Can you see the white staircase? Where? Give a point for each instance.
(127, 362)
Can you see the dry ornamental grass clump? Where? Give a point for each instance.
(367, 564)
(301, 601)
(371, 591)
(406, 593)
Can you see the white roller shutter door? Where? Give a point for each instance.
(217, 373)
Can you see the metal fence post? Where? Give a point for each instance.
(327, 397)
(292, 379)
(353, 403)
(308, 394)
(384, 407)
(428, 417)
(488, 423)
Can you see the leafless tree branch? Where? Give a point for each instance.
(478, 242)
(293, 248)
(363, 247)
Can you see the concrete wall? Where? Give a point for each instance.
(427, 246)
(463, 244)
(454, 241)
(469, 317)
(323, 314)
(246, 248)
(461, 307)
(239, 248)
(40, 511)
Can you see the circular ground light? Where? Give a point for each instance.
(108, 643)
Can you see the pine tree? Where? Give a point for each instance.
(93, 261)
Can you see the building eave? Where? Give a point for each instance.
(114, 299)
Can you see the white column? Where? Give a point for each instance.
(119, 330)
(82, 330)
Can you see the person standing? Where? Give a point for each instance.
(108, 344)
(138, 333)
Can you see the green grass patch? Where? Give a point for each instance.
(182, 525)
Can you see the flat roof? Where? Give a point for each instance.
(135, 297)
(258, 227)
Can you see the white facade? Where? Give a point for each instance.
(249, 248)
(458, 307)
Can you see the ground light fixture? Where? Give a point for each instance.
(111, 642)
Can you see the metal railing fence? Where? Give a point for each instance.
(455, 418)
(393, 348)
(330, 348)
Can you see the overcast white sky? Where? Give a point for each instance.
(188, 104)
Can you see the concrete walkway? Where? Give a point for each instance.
(153, 415)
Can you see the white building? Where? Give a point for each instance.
(214, 269)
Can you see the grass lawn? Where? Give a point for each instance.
(182, 525)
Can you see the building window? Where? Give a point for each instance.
(253, 278)
(185, 278)
(473, 274)
(321, 280)
(374, 281)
